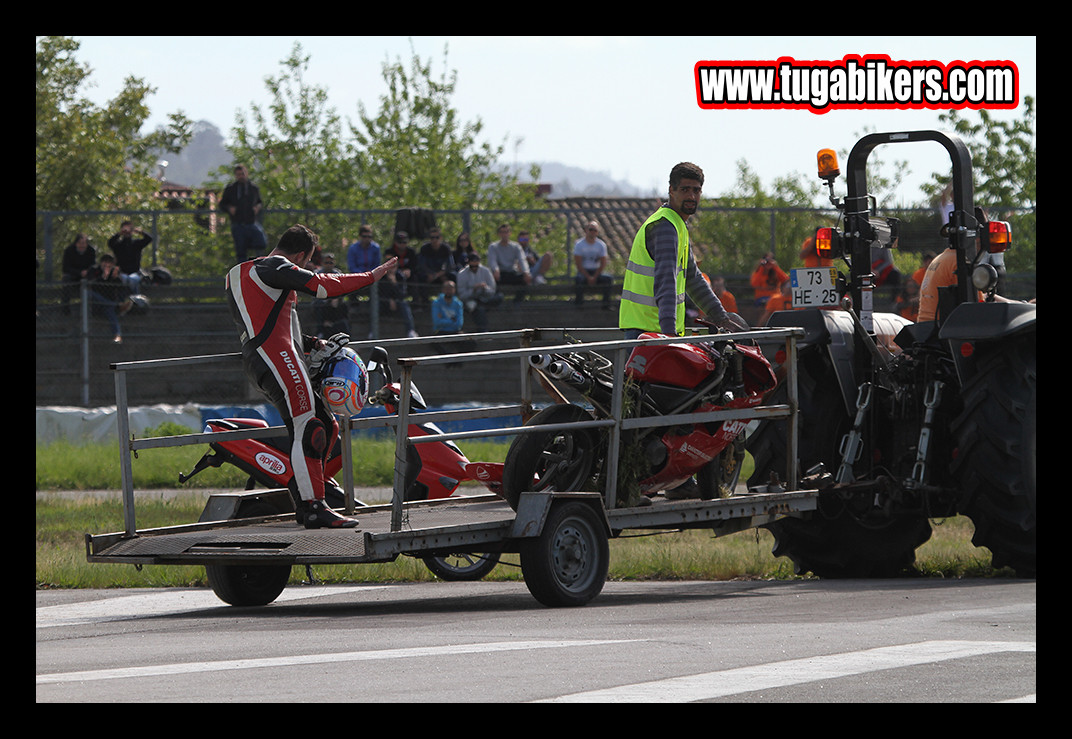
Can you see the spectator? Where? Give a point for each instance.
(108, 294)
(478, 291)
(127, 251)
(242, 201)
(436, 263)
(782, 300)
(364, 254)
(919, 274)
(766, 278)
(590, 256)
(407, 258)
(507, 262)
(907, 301)
(718, 285)
(448, 313)
(811, 257)
(463, 247)
(79, 259)
(393, 293)
(330, 314)
(538, 266)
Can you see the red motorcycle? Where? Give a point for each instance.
(660, 380)
(433, 470)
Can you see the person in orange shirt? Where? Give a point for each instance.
(907, 301)
(718, 284)
(942, 272)
(918, 275)
(811, 257)
(766, 278)
(783, 300)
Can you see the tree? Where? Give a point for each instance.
(734, 229)
(90, 157)
(415, 151)
(1003, 156)
(295, 150)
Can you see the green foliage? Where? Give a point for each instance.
(1003, 157)
(731, 234)
(90, 157)
(414, 151)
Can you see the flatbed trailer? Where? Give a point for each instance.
(562, 537)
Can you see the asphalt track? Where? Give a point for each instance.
(856, 641)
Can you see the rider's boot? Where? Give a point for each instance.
(316, 514)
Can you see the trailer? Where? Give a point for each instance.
(562, 537)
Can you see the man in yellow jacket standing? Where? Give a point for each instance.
(661, 269)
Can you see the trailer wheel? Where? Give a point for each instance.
(247, 585)
(566, 565)
(462, 567)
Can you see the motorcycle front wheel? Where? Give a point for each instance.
(553, 460)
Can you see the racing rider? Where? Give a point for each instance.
(262, 296)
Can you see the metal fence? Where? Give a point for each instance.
(75, 332)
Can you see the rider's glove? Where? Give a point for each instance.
(325, 351)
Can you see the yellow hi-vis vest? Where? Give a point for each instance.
(638, 308)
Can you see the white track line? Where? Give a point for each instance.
(307, 659)
(791, 672)
(148, 605)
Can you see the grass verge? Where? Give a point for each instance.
(62, 524)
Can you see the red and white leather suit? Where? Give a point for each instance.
(263, 294)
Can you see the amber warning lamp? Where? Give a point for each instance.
(828, 166)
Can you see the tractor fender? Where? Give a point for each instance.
(975, 330)
(833, 331)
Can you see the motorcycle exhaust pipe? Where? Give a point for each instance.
(540, 361)
(562, 371)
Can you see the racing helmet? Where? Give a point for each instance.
(344, 383)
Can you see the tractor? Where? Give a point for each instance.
(900, 422)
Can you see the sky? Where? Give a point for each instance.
(626, 106)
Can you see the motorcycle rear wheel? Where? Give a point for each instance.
(542, 461)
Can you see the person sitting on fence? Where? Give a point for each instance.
(109, 295)
(538, 265)
(448, 313)
(79, 258)
(478, 290)
(590, 256)
(330, 314)
(507, 262)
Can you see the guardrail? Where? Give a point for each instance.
(618, 350)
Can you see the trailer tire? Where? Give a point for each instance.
(247, 585)
(566, 565)
(995, 438)
(546, 461)
(462, 566)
